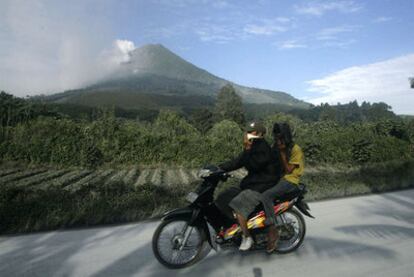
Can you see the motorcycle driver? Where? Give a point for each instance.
(261, 163)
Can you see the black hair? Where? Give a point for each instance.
(283, 131)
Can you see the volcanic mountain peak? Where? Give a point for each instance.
(156, 72)
(157, 60)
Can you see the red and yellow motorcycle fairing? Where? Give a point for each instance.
(258, 221)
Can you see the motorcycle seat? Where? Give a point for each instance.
(287, 197)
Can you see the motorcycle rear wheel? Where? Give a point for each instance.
(293, 233)
(167, 241)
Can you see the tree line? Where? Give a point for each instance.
(347, 134)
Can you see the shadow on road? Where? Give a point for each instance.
(48, 254)
(220, 264)
(334, 248)
(51, 254)
(398, 206)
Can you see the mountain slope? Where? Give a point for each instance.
(153, 69)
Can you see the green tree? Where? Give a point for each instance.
(229, 106)
(202, 119)
(224, 141)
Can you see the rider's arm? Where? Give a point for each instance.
(235, 163)
(288, 167)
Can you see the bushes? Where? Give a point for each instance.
(224, 141)
(44, 140)
(330, 182)
(173, 140)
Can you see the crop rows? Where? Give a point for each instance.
(8, 171)
(39, 178)
(73, 180)
(117, 177)
(95, 178)
(132, 176)
(19, 175)
(65, 179)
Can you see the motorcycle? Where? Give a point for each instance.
(186, 235)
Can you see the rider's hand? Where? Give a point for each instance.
(281, 144)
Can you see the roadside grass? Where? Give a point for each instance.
(359, 180)
(105, 196)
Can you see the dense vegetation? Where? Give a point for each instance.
(349, 149)
(346, 134)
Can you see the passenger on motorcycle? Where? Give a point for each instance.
(291, 157)
(261, 164)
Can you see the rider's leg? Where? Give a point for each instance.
(272, 238)
(267, 199)
(243, 205)
(268, 196)
(247, 240)
(243, 224)
(224, 198)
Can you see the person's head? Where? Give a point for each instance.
(256, 129)
(282, 132)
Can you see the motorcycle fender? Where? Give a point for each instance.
(304, 208)
(180, 212)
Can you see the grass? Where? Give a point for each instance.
(34, 202)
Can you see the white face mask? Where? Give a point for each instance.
(251, 137)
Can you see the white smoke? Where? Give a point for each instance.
(52, 47)
(119, 53)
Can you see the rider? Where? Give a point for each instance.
(291, 158)
(293, 163)
(261, 165)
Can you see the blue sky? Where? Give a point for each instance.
(320, 51)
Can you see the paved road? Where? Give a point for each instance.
(360, 236)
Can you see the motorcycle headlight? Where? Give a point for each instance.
(191, 197)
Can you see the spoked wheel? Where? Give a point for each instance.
(292, 232)
(176, 244)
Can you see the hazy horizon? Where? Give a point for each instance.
(317, 51)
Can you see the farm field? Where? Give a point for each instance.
(35, 199)
(75, 179)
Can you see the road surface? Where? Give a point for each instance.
(360, 236)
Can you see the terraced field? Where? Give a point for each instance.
(33, 199)
(73, 180)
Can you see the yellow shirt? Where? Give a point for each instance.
(296, 158)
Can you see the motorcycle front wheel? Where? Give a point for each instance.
(176, 244)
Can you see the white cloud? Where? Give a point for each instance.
(333, 32)
(338, 36)
(219, 4)
(382, 19)
(217, 33)
(266, 30)
(267, 27)
(385, 81)
(290, 44)
(318, 8)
